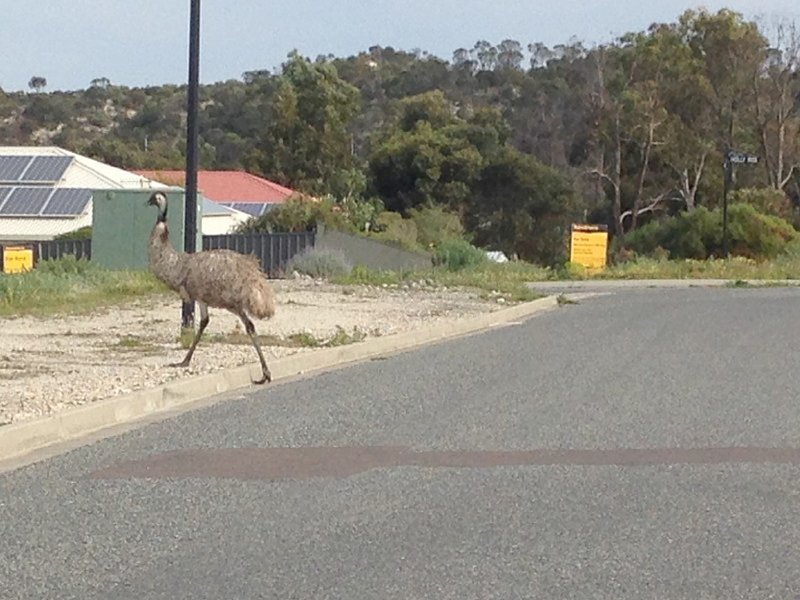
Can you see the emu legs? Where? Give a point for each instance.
(200, 330)
(251, 331)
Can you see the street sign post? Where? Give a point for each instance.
(732, 158)
(589, 246)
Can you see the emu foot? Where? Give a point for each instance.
(265, 379)
(183, 364)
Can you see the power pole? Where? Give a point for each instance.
(190, 231)
(732, 157)
(726, 186)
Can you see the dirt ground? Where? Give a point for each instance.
(50, 364)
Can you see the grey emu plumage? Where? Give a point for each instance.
(218, 278)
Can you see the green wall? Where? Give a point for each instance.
(122, 222)
(372, 254)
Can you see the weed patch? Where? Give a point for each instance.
(68, 285)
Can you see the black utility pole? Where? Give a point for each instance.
(732, 157)
(726, 186)
(190, 233)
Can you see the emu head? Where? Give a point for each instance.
(160, 200)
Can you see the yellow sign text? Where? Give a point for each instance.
(17, 259)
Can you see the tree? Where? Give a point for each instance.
(304, 141)
(777, 106)
(522, 207)
(509, 55)
(428, 155)
(485, 54)
(730, 53)
(37, 83)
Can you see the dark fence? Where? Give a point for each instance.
(273, 249)
(52, 249)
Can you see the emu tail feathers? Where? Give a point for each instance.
(260, 302)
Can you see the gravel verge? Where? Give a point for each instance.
(51, 364)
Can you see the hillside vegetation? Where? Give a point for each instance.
(502, 144)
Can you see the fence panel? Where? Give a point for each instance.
(272, 249)
(54, 249)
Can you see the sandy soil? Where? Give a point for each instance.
(50, 364)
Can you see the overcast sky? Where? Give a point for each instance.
(71, 42)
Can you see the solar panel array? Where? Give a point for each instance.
(11, 167)
(33, 169)
(29, 201)
(254, 209)
(68, 201)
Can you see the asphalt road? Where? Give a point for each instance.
(642, 444)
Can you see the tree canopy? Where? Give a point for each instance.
(516, 138)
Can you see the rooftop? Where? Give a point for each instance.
(226, 186)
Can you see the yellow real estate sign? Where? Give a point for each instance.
(589, 246)
(17, 259)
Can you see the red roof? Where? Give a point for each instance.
(227, 186)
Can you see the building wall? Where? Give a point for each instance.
(35, 229)
(221, 224)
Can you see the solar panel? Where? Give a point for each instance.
(11, 167)
(68, 201)
(26, 201)
(4, 192)
(255, 209)
(47, 168)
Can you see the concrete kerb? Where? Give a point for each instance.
(18, 440)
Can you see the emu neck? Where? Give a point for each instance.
(165, 262)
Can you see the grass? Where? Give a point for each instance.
(341, 337)
(131, 343)
(507, 279)
(564, 300)
(736, 268)
(68, 285)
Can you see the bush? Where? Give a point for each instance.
(84, 233)
(303, 214)
(320, 263)
(458, 254)
(435, 224)
(70, 285)
(765, 200)
(698, 235)
(392, 227)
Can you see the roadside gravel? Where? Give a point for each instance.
(51, 364)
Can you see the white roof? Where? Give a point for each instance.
(86, 172)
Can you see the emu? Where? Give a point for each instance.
(218, 278)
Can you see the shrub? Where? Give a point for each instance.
(320, 263)
(392, 227)
(84, 233)
(303, 214)
(299, 214)
(70, 285)
(698, 235)
(766, 200)
(435, 224)
(457, 254)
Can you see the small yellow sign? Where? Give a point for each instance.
(589, 246)
(17, 259)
